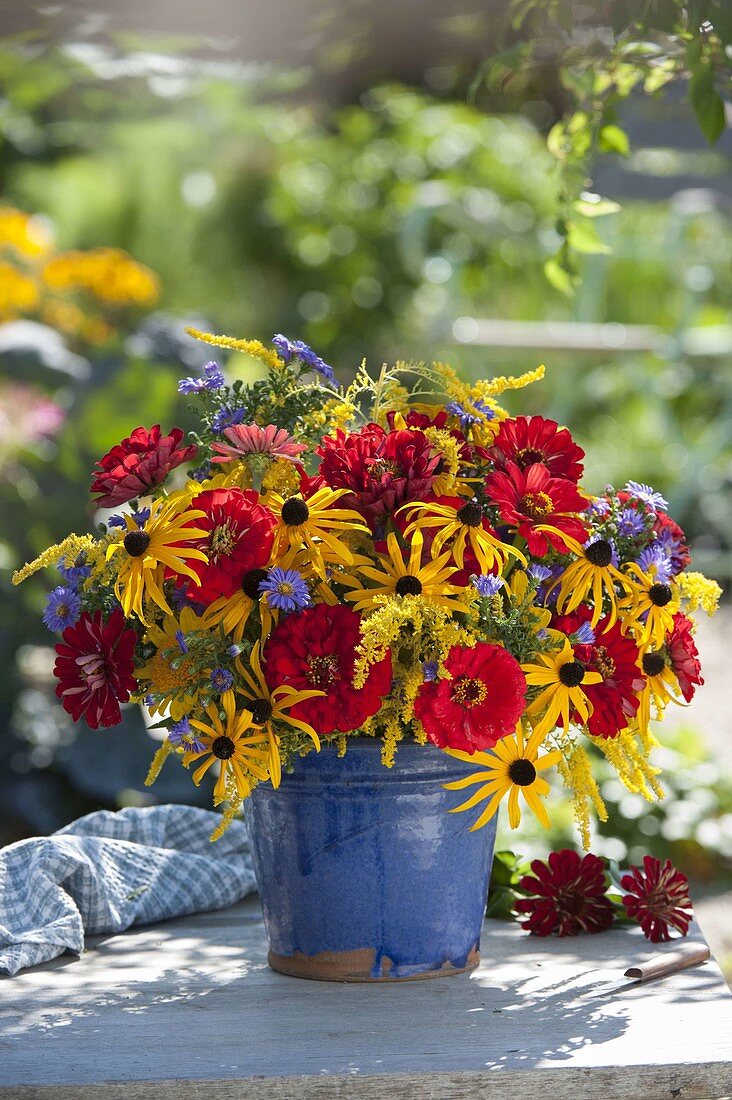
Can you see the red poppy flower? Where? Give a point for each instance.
(94, 667)
(658, 898)
(528, 440)
(532, 498)
(241, 533)
(138, 464)
(382, 470)
(567, 895)
(684, 656)
(480, 704)
(316, 648)
(615, 656)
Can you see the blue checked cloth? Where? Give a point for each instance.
(108, 871)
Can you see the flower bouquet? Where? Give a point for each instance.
(360, 605)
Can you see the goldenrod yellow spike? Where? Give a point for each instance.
(157, 762)
(250, 347)
(69, 549)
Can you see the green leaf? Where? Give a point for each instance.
(594, 206)
(583, 237)
(614, 140)
(707, 102)
(559, 277)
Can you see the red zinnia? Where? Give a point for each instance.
(382, 470)
(316, 648)
(684, 656)
(241, 533)
(94, 668)
(658, 898)
(480, 704)
(534, 498)
(615, 656)
(138, 464)
(568, 895)
(528, 440)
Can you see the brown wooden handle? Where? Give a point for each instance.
(670, 963)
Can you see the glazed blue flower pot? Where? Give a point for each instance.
(362, 872)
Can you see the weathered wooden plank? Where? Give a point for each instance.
(192, 1006)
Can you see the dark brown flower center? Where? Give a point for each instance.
(603, 662)
(223, 748)
(295, 512)
(470, 514)
(521, 772)
(527, 456)
(537, 505)
(261, 710)
(323, 670)
(660, 594)
(251, 581)
(468, 692)
(599, 553)
(572, 674)
(653, 663)
(136, 543)
(408, 586)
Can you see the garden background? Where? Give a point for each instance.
(381, 183)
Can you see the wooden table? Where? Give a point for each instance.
(189, 1008)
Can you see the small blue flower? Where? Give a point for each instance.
(487, 584)
(221, 679)
(73, 574)
(141, 516)
(630, 523)
(212, 379)
(203, 472)
(182, 736)
(179, 598)
(539, 572)
(646, 494)
(284, 347)
(298, 349)
(430, 670)
(181, 640)
(468, 416)
(584, 634)
(226, 417)
(63, 608)
(654, 560)
(286, 590)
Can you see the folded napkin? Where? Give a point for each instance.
(108, 871)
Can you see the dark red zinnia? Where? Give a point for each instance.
(382, 470)
(532, 498)
(316, 648)
(615, 656)
(528, 440)
(94, 665)
(480, 704)
(567, 895)
(658, 898)
(240, 536)
(138, 464)
(684, 656)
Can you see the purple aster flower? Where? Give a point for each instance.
(63, 608)
(630, 523)
(599, 507)
(203, 472)
(179, 598)
(235, 650)
(671, 548)
(285, 348)
(221, 679)
(487, 584)
(74, 574)
(141, 516)
(212, 379)
(430, 671)
(227, 417)
(181, 640)
(653, 560)
(646, 494)
(468, 416)
(539, 572)
(183, 736)
(584, 634)
(298, 349)
(286, 590)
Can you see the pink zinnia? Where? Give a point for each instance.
(251, 439)
(138, 465)
(658, 898)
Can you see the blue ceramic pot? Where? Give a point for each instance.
(362, 872)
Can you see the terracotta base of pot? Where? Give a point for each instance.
(357, 966)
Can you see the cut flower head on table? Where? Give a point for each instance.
(396, 559)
